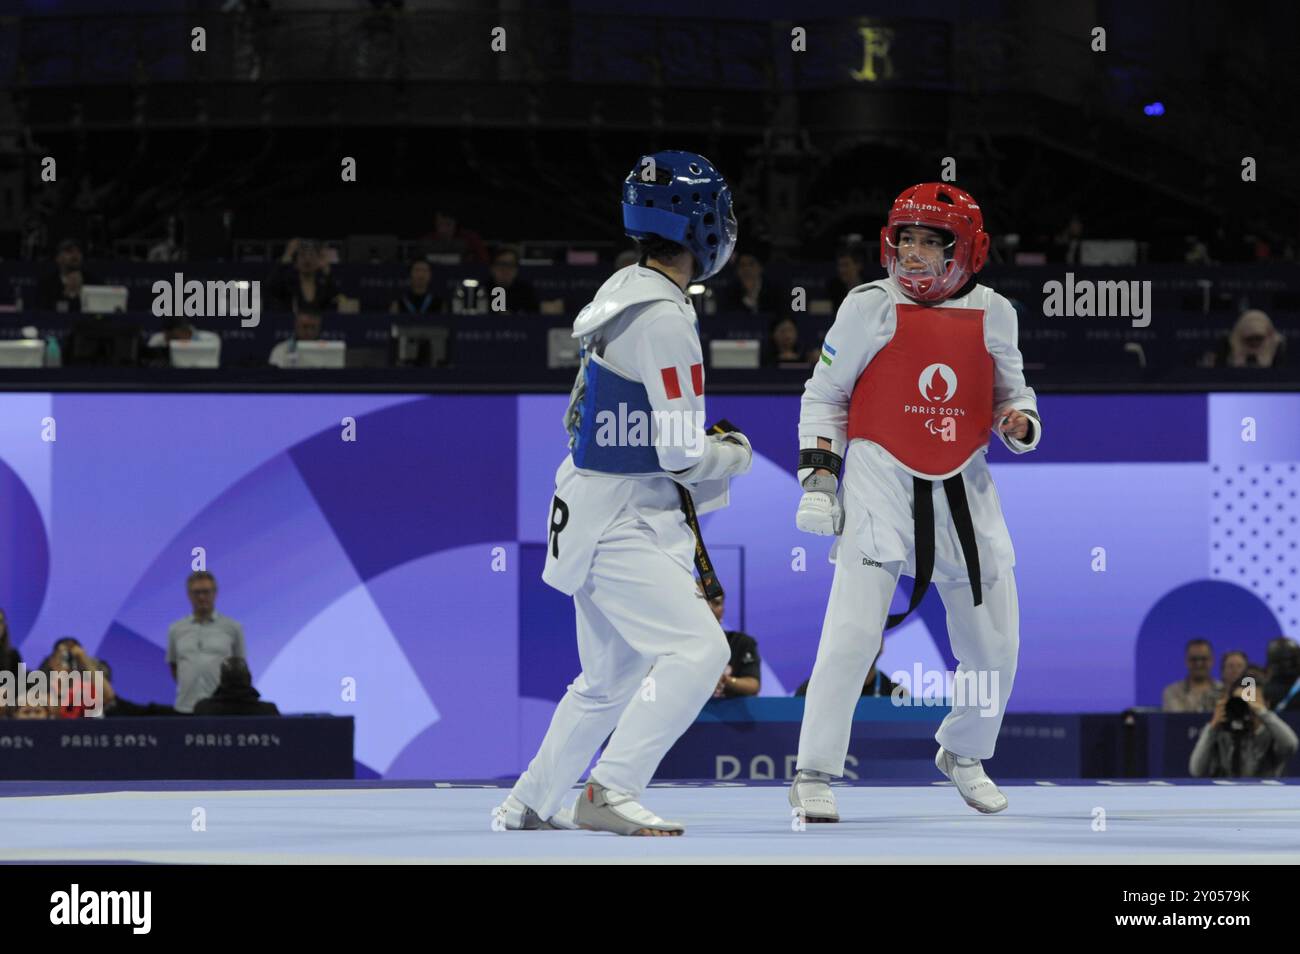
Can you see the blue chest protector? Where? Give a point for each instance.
(604, 433)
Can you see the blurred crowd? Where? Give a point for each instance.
(1245, 736)
(302, 289)
(207, 659)
(205, 655)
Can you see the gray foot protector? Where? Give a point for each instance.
(599, 809)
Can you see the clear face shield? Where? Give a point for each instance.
(921, 252)
(726, 245)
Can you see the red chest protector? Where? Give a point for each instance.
(927, 396)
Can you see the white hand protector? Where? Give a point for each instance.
(741, 440)
(820, 511)
(725, 455)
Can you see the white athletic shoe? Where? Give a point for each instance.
(976, 788)
(516, 816)
(603, 809)
(811, 794)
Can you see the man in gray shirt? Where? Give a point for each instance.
(197, 644)
(1199, 691)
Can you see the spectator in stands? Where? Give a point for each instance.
(168, 248)
(417, 298)
(1197, 692)
(235, 695)
(60, 290)
(747, 292)
(69, 656)
(302, 279)
(1068, 243)
(1196, 252)
(196, 644)
(449, 238)
(179, 329)
(10, 658)
(70, 300)
(1252, 343)
(850, 272)
(782, 348)
(875, 684)
(1259, 248)
(1282, 682)
(66, 654)
(1245, 739)
(306, 327)
(743, 674)
(1233, 666)
(520, 297)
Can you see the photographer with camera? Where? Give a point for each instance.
(1245, 739)
(69, 656)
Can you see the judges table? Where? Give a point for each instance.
(758, 738)
(177, 747)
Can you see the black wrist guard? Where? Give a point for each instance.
(818, 459)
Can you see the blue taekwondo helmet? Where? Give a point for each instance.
(687, 201)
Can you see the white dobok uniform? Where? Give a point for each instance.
(650, 648)
(877, 544)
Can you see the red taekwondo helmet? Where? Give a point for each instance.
(936, 205)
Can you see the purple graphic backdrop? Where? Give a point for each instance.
(403, 565)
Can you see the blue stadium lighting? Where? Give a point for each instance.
(1154, 109)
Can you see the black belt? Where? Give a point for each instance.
(923, 525)
(703, 565)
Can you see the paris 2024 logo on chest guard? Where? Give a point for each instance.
(938, 385)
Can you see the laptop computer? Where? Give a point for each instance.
(102, 299)
(195, 354)
(320, 354)
(22, 354)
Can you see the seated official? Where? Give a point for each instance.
(743, 673)
(306, 327)
(60, 290)
(876, 683)
(850, 272)
(235, 695)
(179, 329)
(418, 297)
(748, 292)
(520, 296)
